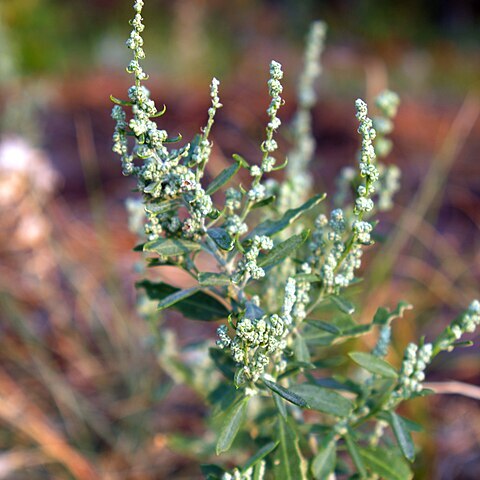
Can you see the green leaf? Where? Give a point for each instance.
(199, 306)
(259, 471)
(260, 455)
(176, 297)
(300, 348)
(264, 202)
(463, 344)
(295, 367)
(338, 384)
(402, 434)
(282, 250)
(324, 461)
(123, 103)
(355, 455)
(327, 327)
(385, 463)
(223, 178)
(286, 394)
(383, 316)
(289, 463)
(162, 207)
(270, 227)
(322, 340)
(373, 364)
(170, 247)
(343, 304)
(234, 418)
(308, 277)
(252, 311)
(357, 330)
(223, 361)
(151, 187)
(411, 425)
(173, 139)
(240, 160)
(213, 279)
(323, 399)
(280, 404)
(221, 238)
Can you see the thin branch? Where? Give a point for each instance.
(455, 388)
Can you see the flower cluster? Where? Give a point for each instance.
(164, 176)
(412, 374)
(201, 152)
(298, 186)
(368, 169)
(247, 267)
(388, 176)
(257, 340)
(387, 103)
(388, 186)
(383, 342)
(312, 67)
(466, 323)
(269, 145)
(336, 245)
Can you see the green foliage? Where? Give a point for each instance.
(191, 303)
(279, 273)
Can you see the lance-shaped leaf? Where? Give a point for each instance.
(221, 238)
(286, 394)
(213, 279)
(324, 461)
(402, 435)
(162, 207)
(385, 463)
(289, 463)
(259, 471)
(260, 455)
(308, 277)
(282, 250)
(234, 418)
(354, 452)
(223, 361)
(323, 399)
(300, 348)
(326, 327)
(281, 406)
(223, 177)
(198, 306)
(264, 202)
(176, 297)
(373, 364)
(343, 304)
(171, 247)
(271, 227)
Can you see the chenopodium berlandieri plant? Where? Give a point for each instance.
(280, 265)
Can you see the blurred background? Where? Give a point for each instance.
(82, 394)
